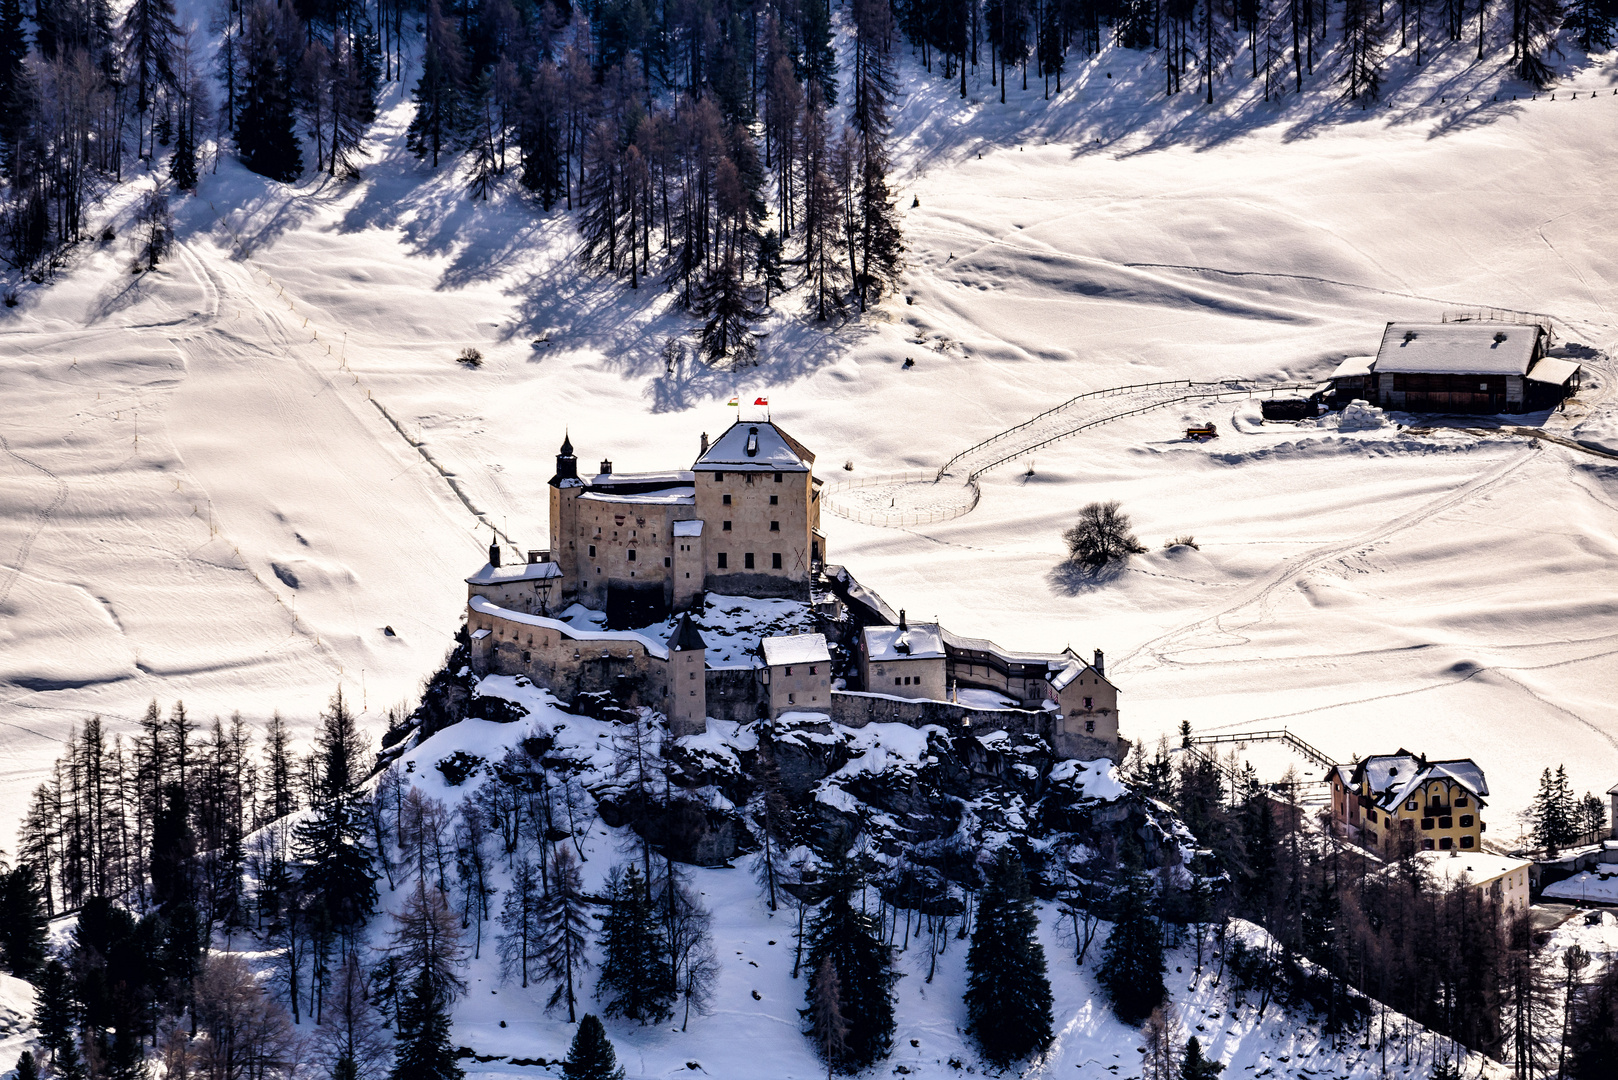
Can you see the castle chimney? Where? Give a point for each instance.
(606, 467)
(902, 626)
(494, 555)
(1100, 663)
(704, 442)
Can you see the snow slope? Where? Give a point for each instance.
(223, 480)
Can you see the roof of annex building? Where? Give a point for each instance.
(1458, 348)
(501, 575)
(483, 606)
(916, 641)
(756, 445)
(796, 649)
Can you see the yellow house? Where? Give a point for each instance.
(1396, 804)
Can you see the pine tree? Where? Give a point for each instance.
(13, 50)
(1132, 966)
(1008, 995)
(57, 1016)
(150, 35)
(334, 849)
(422, 1049)
(27, 1069)
(847, 939)
(22, 921)
(635, 980)
(562, 926)
(183, 166)
(591, 1057)
(1197, 1067)
(1362, 40)
(438, 94)
(266, 133)
(1591, 23)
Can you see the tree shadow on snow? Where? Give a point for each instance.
(1075, 579)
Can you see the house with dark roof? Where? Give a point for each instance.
(1396, 804)
(1459, 367)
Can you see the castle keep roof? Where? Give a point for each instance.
(756, 446)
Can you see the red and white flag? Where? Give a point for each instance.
(761, 401)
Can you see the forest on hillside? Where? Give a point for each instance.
(726, 151)
(174, 858)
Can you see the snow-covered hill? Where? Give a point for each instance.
(258, 472)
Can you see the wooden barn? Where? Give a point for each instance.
(1461, 367)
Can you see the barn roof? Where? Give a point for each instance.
(1553, 370)
(1460, 348)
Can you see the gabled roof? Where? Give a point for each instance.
(1553, 370)
(756, 445)
(796, 649)
(1458, 348)
(500, 575)
(1391, 778)
(686, 638)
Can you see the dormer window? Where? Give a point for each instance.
(752, 442)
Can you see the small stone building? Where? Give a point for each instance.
(905, 660)
(797, 673)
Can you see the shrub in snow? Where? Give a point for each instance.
(1102, 534)
(1181, 541)
(1361, 416)
(470, 357)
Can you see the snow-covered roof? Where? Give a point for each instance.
(1393, 777)
(796, 649)
(667, 478)
(1354, 366)
(756, 446)
(1060, 677)
(1553, 370)
(501, 575)
(688, 528)
(917, 641)
(670, 496)
(483, 606)
(1447, 867)
(1461, 348)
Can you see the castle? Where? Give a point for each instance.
(744, 521)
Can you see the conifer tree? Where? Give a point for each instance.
(27, 1068)
(13, 50)
(339, 875)
(1008, 995)
(1132, 960)
(422, 1049)
(266, 134)
(563, 922)
(22, 921)
(1196, 1066)
(635, 980)
(847, 939)
(591, 1057)
(56, 1017)
(437, 123)
(150, 35)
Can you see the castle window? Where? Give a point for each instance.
(592, 551)
(749, 479)
(719, 477)
(747, 561)
(1089, 725)
(777, 478)
(896, 681)
(775, 560)
(789, 669)
(667, 562)
(724, 526)
(792, 699)
(812, 669)
(726, 498)
(631, 554)
(774, 500)
(1466, 821)
(693, 675)
(775, 526)
(723, 561)
(1089, 703)
(1466, 841)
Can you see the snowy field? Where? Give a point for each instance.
(227, 481)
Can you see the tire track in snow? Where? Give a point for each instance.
(1291, 569)
(44, 518)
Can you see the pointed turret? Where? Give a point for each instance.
(567, 466)
(688, 680)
